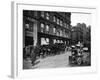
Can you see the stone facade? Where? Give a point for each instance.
(45, 27)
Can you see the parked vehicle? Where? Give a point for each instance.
(76, 56)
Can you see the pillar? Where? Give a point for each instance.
(35, 33)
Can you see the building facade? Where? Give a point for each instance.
(81, 33)
(45, 27)
(77, 35)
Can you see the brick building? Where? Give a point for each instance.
(45, 27)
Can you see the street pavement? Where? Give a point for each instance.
(56, 61)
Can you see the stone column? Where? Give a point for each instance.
(35, 33)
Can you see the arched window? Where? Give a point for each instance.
(47, 16)
(43, 41)
(47, 40)
(60, 32)
(54, 30)
(54, 18)
(42, 14)
(47, 27)
(54, 41)
(27, 26)
(57, 20)
(42, 27)
(61, 23)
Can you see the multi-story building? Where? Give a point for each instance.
(45, 27)
(76, 35)
(81, 33)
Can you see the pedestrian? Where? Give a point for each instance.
(33, 55)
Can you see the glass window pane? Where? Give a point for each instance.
(42, 14)
(47, 27)
(42, 27)
(54, 30)
(47, 16)
(54, 19)
(57, 21)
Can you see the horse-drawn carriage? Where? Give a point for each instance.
(43, 50)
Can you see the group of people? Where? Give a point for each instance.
(34, 52)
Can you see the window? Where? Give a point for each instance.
(47, 16)
(42, 27)
(35, 13)
(29, 26)
(54, 30)
(61, 41)
(47, 27)
(60, 32)
(67, 35)
(65, 25)
(47, 40)
(54, 19)
(57, 33)
(44, 41)
(61, 23)
(57, 21)
(64, 33)
(54, 41)
(42, 13)
(58, 41)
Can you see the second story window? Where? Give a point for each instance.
(57, 21)
(47, 28)
(42, 27)
(67, 35)
(58, 41)
(61, 41)
(61, 23)
(29, 27)
(54, 18)
(42, 13)
(65, 25)
(64, 33)
(60, 32)
(47, 16)
(26, 26)
(54, 30)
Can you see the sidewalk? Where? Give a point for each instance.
(56, 61)
(53, 61)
